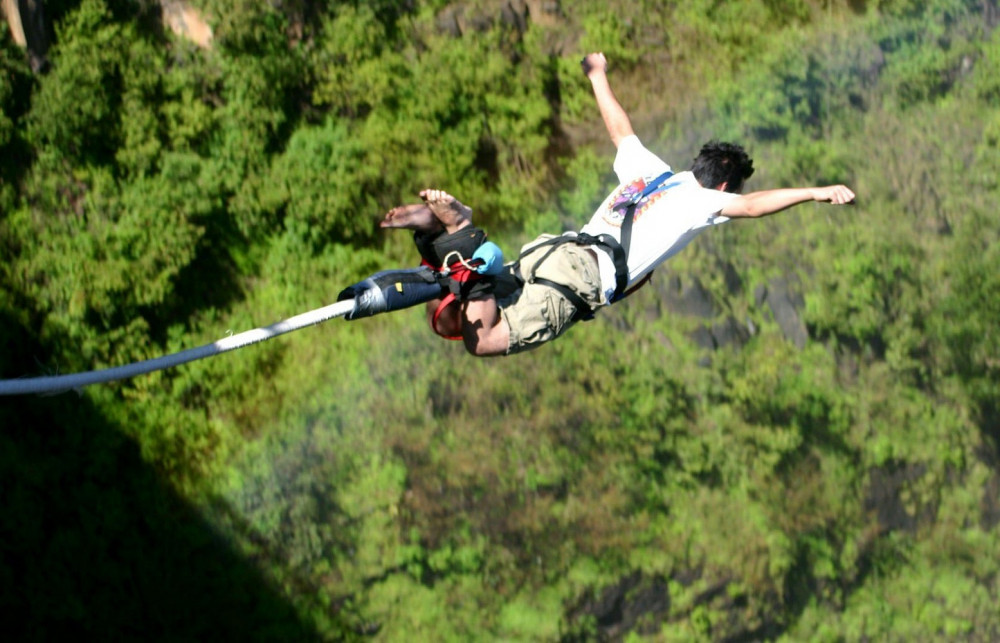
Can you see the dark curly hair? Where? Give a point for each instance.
(719, 163)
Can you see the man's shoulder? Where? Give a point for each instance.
(686, 195)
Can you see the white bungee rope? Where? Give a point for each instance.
(60, 383)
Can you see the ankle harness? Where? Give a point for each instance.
(449, 255)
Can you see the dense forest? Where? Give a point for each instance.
(793, 434)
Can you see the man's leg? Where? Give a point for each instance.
(419, 218)
(440, 212)
(483, 328)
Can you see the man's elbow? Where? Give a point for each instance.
(478, 346)
(472, 346)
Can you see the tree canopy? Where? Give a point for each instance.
(791, 434)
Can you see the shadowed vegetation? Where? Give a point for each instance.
(791, 434)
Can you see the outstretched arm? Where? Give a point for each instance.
(761, 204)
(595, 66)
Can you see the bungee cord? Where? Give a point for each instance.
(61, 383)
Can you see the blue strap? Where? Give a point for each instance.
(629, 217)
(650, 188)
(655, 184)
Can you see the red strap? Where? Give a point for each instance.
(448, 300)
(461, 274)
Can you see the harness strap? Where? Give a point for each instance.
(458, 278)
(436, 247)
(619, 256)
(604, 241)
(583, 310)
(458, 274)
(631, 205)
(448, 300)
(618, 249)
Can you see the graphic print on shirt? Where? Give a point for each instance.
(618, 203)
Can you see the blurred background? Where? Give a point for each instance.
(793, 434)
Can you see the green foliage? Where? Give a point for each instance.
(325, 185)
(796, 90)
(140, 121)
(74, 112)
(653, 475)
(360, 67)
(428, 105)
(15, 93)
(987, 70)
(15, 83)
(98, 273)
(926, 45)
(865, 289)
(962, 321)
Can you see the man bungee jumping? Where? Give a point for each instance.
(499, 309)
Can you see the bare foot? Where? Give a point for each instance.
(450, 211)
(414, 216)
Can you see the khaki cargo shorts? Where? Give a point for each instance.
(539, 314)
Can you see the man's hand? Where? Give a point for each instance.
(595, 65)
(835, 194)
(595, 62)
(765, 202)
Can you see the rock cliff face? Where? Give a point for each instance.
(459, 17)
(186, 22)
(26, 20)
(30, 29)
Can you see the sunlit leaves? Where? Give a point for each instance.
(326, 185)
(174, 195)
(450, 108)
(75, 109)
